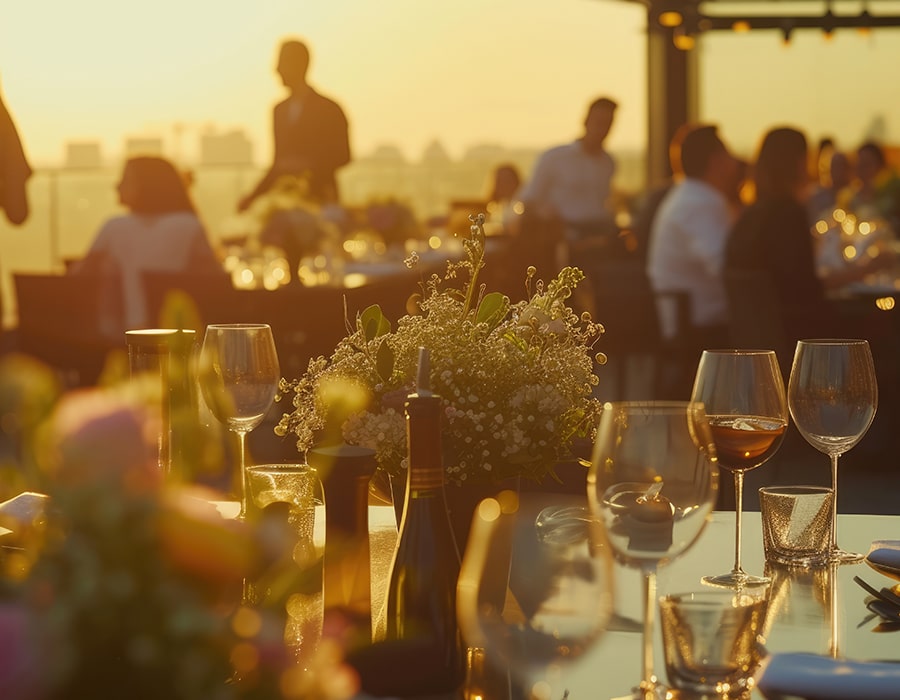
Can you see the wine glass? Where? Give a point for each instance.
(833, 395)
(239, 377)
(652, 482)
(743, 394)
(535, 589)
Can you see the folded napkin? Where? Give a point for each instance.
(22, 511)
(884, 557)
(813, 677)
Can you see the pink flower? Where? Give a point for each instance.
(101, 437)
(20, 668)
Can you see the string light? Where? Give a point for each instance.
(670, 18)
(682, 40)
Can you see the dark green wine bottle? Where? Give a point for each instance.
(421, 598)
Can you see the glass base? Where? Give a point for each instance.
(844, 557)
(647, 690)
(736, 579)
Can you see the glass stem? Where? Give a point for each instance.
(648, 679)
(834, 485)
(738, 511)
(833, 643)
(242, 466)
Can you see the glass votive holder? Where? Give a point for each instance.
(711, 640)
(281, 504)
(796, 522)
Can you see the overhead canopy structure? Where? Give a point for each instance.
(673, 25)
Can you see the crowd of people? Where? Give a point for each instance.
(718, 214)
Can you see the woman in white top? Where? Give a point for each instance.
(162, 233)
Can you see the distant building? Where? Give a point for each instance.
(143, 146)
(230, 148)
(435, 153)
(83, 154)
(388, 153)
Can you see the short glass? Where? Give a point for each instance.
(796, 522)
(711, 640)
(281, 503)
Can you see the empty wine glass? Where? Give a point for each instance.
(652, 482)
(743, 394)
(238, 378)
(833, 395)
(535, 587)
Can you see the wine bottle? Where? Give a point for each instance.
(421, 596)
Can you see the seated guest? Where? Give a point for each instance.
(878, 190)
(833, 190)
(504, 206)
(161, 233)
(689, 231)
(773, 235)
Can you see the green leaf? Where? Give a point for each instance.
(492, 309)
(373, 322)
(384, 361)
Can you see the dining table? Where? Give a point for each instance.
(816, 610)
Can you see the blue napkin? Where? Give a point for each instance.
(814, 677)
(884, 557)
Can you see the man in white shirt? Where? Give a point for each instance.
(567, 196)
(688, 235)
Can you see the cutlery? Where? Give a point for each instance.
(884, 610)
(885, 594)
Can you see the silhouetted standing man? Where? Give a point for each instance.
(310, 130)
(14, 170)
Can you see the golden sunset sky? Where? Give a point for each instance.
(516, 72)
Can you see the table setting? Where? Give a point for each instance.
(124, 574)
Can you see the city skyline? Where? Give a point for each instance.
(518, 73)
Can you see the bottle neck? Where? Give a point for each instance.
(423, 437)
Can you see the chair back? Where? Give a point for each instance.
(190, 301)
(71, 322)
(755, 318)
(629, 309)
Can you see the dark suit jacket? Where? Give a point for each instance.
(315, 142)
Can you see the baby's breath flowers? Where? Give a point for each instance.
(517, 380)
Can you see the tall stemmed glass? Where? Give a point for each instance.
(833, 395)
(238, 378)
(743, 393)
(535, 589)
(652, 482)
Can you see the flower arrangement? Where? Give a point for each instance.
(125, 585)
(516, 379)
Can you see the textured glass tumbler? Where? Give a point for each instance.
(282, 500)
(711, 640)
(796, 522)
(296, 486)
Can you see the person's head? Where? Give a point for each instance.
(840, 170)
(152, 185)
(870, 161)
(506, 183)
(698, 152)
(293, 62)
(598, 121)
(824, 151)
(781, 164)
